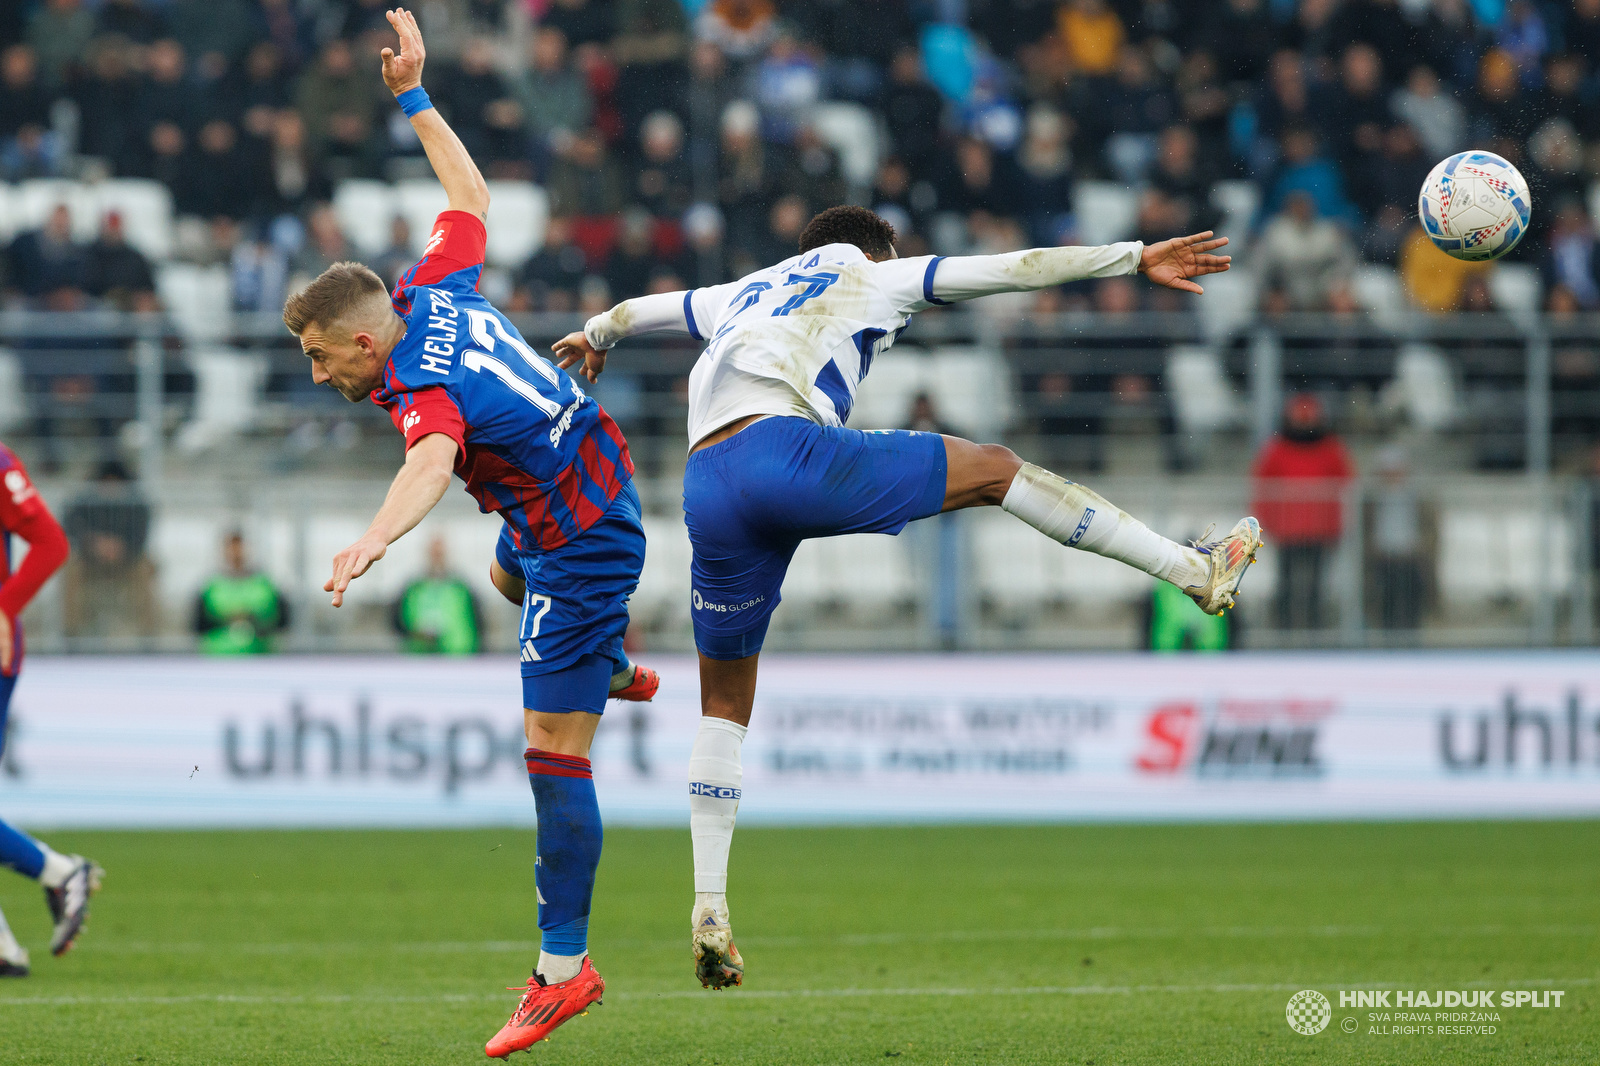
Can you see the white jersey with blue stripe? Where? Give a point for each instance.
(798, 338)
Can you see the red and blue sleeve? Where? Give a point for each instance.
(24, 513)
(453, 257)
(423, 411)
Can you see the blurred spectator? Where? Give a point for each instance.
(629, 268)
(1523, 35)
(59, 34)
(581, 21)
(398, 257)
(1044, 165)
(981, 180)
(168, 95)
(787, 83)
(740, 28)
(650, 47)
(338, 102)
(594, 296)
(295, 180)
(785, 221)
(481, 110)
(45, 260)
(117, 272)
(1574, 263)
(1136, 106)
(924, 417)
(325, 245)
(1357, 110)
(1306, 170)
(437, 614)
(131, 19)
(913, 111)
(1401, 538)
(1093, 36)
(1393, 177)
(1303, 260)
(662, 182)
(239, 611)
(1432, 279)
(703, 230)
(1438, 117)
(554, 97)
(1240, 34)
(587, 181)
(552, 275)
(1300, 476)
(107, 587)
(28, 146)
(220, 179)
(1174, 622)
(215, 32)
(108, 127)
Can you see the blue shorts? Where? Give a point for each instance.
(575, 610)
(750, 500)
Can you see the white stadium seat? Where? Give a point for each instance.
(365, 210)
(1517, 288)
(852, 131)
(227, 396)
(1238, 200)
(518, 213)
(420, 203)
(13, 409)
(1106, 211)
(34, 200)
(1203, 399)
(146, 210)
(970, 388)
(198, 299)
(1487, 555)
(1424, 387)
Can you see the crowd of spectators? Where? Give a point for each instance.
(677, 140)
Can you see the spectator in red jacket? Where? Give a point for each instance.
(1300, 477)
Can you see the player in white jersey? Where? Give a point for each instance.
(771, 464)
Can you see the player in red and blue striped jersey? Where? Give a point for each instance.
(472, 397)
(68, 880)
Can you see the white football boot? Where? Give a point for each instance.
(69, 904)
(716, 960)
(1229, 557)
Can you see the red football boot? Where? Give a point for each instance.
(642, 687)
(544, 1007)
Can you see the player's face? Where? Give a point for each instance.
(346, 362)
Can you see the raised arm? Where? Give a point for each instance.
(1170, 263)
(667, 312)
(419, 485)
(402, 73)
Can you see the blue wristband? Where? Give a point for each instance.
(414, 101)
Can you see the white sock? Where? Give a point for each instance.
(623, 677)
(715, 777)
(10, 950)
(57, 868)
(1079, 517)
(557, 968)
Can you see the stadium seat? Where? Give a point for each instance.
(1492, 553)
(420, 203)
(518, 212)
(365, 210)
(852, 131)
(228, 386)
(146, 210)
(1229, 302)
(8, 212)
(35, 199)
(198, 299)
(1238, 201)
(13, 410)
(1106, 211)
(1424, 387)
(970, 388)
(1203, 399)
(1517, 288)
(869, 575)
(1379, 289)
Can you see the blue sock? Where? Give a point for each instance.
(22, 853)
(569, 848)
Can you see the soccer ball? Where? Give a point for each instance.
(1475, 206)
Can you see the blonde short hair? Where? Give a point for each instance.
(340, 289)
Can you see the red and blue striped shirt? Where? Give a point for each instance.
(531, 445)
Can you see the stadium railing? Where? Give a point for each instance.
(1491, 417)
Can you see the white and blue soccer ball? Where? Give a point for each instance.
(1475, 206)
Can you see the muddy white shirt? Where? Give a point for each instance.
(799, 338)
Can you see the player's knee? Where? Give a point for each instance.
(1000, 464)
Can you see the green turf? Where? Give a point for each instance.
(1113, 944)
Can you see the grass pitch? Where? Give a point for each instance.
(1085, 945)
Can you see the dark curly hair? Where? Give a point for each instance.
(849, 225)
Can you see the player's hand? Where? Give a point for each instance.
(574, 348)
(403, 71)
(351, 564)
(7, 643)
(1172, 263)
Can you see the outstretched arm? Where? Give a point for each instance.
(417, 487)
(1169, 263)
(667, 312)
(455, 169)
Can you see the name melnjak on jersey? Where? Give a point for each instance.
(439, 347)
